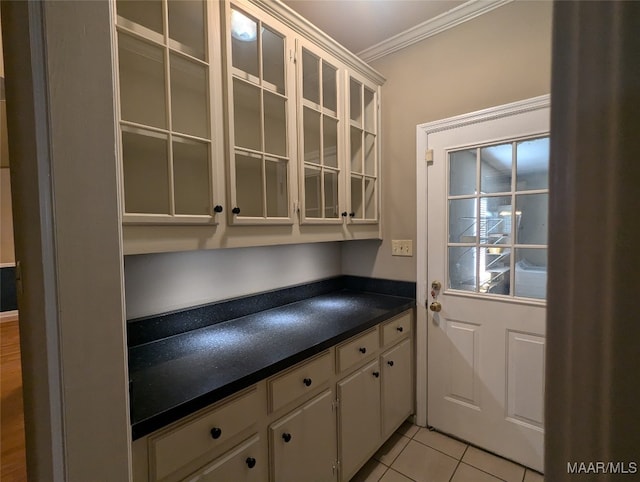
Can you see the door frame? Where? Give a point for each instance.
(422, 262)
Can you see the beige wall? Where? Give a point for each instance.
(7, 255)
(497, 58)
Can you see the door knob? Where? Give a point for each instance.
(435, 306)
(436, 285)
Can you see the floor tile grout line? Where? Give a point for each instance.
(483, 470)
(458, 464)
(438, 450)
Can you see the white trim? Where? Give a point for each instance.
(534, 103)
(422, 287)
(7, 316)
(460, 14)
(7, 265)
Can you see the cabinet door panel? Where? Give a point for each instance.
(359, 417)
(397, 391)
(303, 444)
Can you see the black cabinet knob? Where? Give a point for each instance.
(400, 329)
(251, 462)
(216, 432)
(307, 382)
(363, 350)
(376, 374)
(390, 363)
(352, 214)
(344, 214)
(286, 437)
(236, 210)
(217, 209)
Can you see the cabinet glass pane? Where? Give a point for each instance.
(355, 101)
(189, 97)
(462, 172)
(495, 168)
(186, 25)
(531, 273)
(312, 192)
(356, 196)
(310, 76)
(329, 91)
(495, 270)
(191, 177)
(462, 221)
(145, 172)
(311, 136)
(147, 13)
(369, 110)
(369, 198)
(330, 140)
(142, 82)
(277, 194)
(495, 220)
(370, 154)
(244, 43)
(330, 194)
(462, 268)
(531, 215)
(532, 164)
(273, 59)
(356, 150)
(275, 124)
(249, 192)
(246, 115)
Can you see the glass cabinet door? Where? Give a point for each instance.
(165, 119)
(320, 158)
(363, 150)
(259, 120)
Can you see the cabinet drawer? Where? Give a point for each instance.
(300, 380)
(396, 328)
(357, 349)
(175, 448)
(245, 463)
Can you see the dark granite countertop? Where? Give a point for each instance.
(175, 376)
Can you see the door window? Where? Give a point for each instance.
(498, 199)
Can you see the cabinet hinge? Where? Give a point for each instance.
(335, 404)
(428, 156)
(292, 56)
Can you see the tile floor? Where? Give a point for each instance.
(417, 454)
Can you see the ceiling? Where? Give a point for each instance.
(360, 24)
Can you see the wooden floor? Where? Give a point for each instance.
(12, 452)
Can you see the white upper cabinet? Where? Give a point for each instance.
(260, 78)
(165, 61)
(237, 113)
(321, 126)
(363, 150)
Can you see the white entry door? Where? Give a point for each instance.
(486, 237)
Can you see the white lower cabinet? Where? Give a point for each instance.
(245, 463)
(359, 417)
(318, 421)
(397, 386)
(303, 443)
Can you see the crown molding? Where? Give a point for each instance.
(445, 21)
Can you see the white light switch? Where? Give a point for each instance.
(401, 247)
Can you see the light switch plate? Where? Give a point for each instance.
(401, 247)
